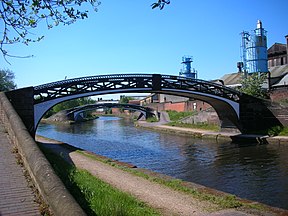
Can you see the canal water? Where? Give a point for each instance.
(255, 172)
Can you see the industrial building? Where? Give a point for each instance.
(278, 54)
(256, 58)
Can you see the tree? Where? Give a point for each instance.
(7, 80)
(124, 99)
(252, 85)
(69, 104)
(19, 17)
(160, 4)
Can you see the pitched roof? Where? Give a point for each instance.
(277, 49)
(277, 74)
(278, 71)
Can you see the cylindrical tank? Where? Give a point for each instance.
(257, 57)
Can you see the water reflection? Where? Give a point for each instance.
(256, 172)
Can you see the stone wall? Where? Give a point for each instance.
(209, 117)
(48, 183)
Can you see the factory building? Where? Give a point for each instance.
(256, 58)
(278, 54)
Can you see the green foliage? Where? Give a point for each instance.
(152, 119)
(17, 18)
(69, 104)
(284, 131)
(203, 126)
(108, 111)
(125, 99)
(223, 201)
(95, 196)
(278, 130)
(7, 80)
(251, 85)
(274, 131)
(160, 4)
(175, 116)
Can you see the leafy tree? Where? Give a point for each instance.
(7, 80)
(252, 85)
(69, 104)
(19, 17)
(125, 99)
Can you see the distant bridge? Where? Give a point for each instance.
(234, 108)
(147, 112)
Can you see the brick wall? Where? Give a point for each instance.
(279, 94)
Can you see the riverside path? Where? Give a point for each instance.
(16, 198)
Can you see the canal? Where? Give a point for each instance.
(255, 172)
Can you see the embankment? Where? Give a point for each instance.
(47, 182)
(233, 137)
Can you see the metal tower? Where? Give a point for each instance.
(254, 50)
(187, 71)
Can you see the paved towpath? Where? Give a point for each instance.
(16, 198)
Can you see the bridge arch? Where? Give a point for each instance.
(145, 111)
(224, 100)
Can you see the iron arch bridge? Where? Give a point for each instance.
(145, 111)
(223, 99)
(234, 109)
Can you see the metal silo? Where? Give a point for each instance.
(187, 71)
(254, 50)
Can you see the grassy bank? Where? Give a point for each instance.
(202, 126)
(222, 200)
(95, 196)
(176, 117)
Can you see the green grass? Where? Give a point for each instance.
(152, 119)
(95, 196)
(273, 131)
(202, 126)
(222, 201)
(175, 116)
(284, 132)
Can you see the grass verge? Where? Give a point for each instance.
(222, 201)
(95, 196)
(202, 126)
(175, 116)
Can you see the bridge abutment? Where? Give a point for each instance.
(258, 115)
(23, 102)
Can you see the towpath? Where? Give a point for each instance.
(16, 197)
(166, 200)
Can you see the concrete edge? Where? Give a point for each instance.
(233, 137)
(47, 182)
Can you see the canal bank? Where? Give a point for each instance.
(160, 197)
(250, 171)
(199, 133)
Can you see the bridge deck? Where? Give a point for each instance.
(16, 198)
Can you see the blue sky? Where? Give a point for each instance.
(129, 37)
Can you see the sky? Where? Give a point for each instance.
(129, 37)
